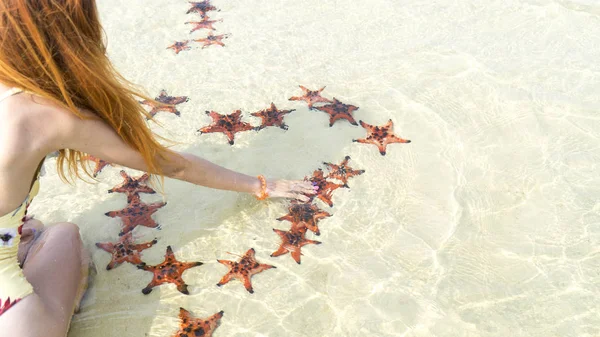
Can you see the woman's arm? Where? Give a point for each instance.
(96, 138)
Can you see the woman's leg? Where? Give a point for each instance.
(56, 266)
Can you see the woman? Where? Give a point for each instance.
(59, 92)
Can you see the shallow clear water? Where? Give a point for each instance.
(487, 224)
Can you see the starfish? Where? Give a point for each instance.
(168, 105)
(201, 7)
(133, 186)
(228, 124)
(197, 327)
(169, 271)
(292, 241)
(136, 214)
(326, 188)
(212, 39)
(380, 136)
(206, 23)
(272, 117)
(342, 172)
(180, 46)
(124, 250)
(243, 270)
(100, 164)
(311, 97)
(338, 110)
(305, 216)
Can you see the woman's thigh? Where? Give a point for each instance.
(55, 266)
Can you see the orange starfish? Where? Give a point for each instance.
(326, 188)
(311, 97)
(133, 186)
(272, 117)
(206, 23)
(197, 327)
(100, 164)
(228, 124)
(305, 216)
(169, 271)
(136, 214)
(243, 270)
(342, 172)
(292, 241)
(211, 39)
(124, 250)
(380, 136)
(168, 103)
(338, 110)
(180, 46)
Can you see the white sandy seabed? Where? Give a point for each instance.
(487, 224)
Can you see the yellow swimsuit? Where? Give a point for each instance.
(13, 285)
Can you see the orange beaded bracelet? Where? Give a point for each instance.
(263, 188)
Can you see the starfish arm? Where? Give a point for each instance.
(184, 315)
(298, 226)
(187, 265)
(250, 253)
(227, 263)
(296, 98)
(247, 283)
(261, 267)
(149, 287)
(395, 139)
(134, 258)
(230, 136)
(225, 279)
(287, 217)
(111, 265)
(282, 250)
(362, 140)
(326, 199)
(279, 232)
(214, 318)
(181, 286)
(146, 245)
(309, 242)
(296, 254)
(107, 246)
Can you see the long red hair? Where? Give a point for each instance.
(55, 49)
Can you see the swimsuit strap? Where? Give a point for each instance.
(10, 92)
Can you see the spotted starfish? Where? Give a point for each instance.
(124, 250)
(133, 186)
(342, 172)
(180, 46)
(168, 105)
(197, 327)
(311, 97)
(305, 216)
(338, 110)
(326, 188)
(201, 8)
(272, 117)
(136, 214)
(212, 39)
(169, 271)
(243, 270)
(380, 136)
(292, 241)
(228, 124)
(100, 164)
(206, 23)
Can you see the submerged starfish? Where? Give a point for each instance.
(136, 214)
(228, 124)
(311, 97)
(342, 172)
(168, 105)
(305, 216)
(180, 46)
(124, 250)
(133, 186)
(243, 270)
(380, 136)
(100, 164)
(197, 327)
(169, 271)
(338, 110)
(212, 39)
(272, 117)
(292, 241)
(206, 23)
(326, 188)
(201, 7)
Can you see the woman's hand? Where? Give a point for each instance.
(293, 189)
